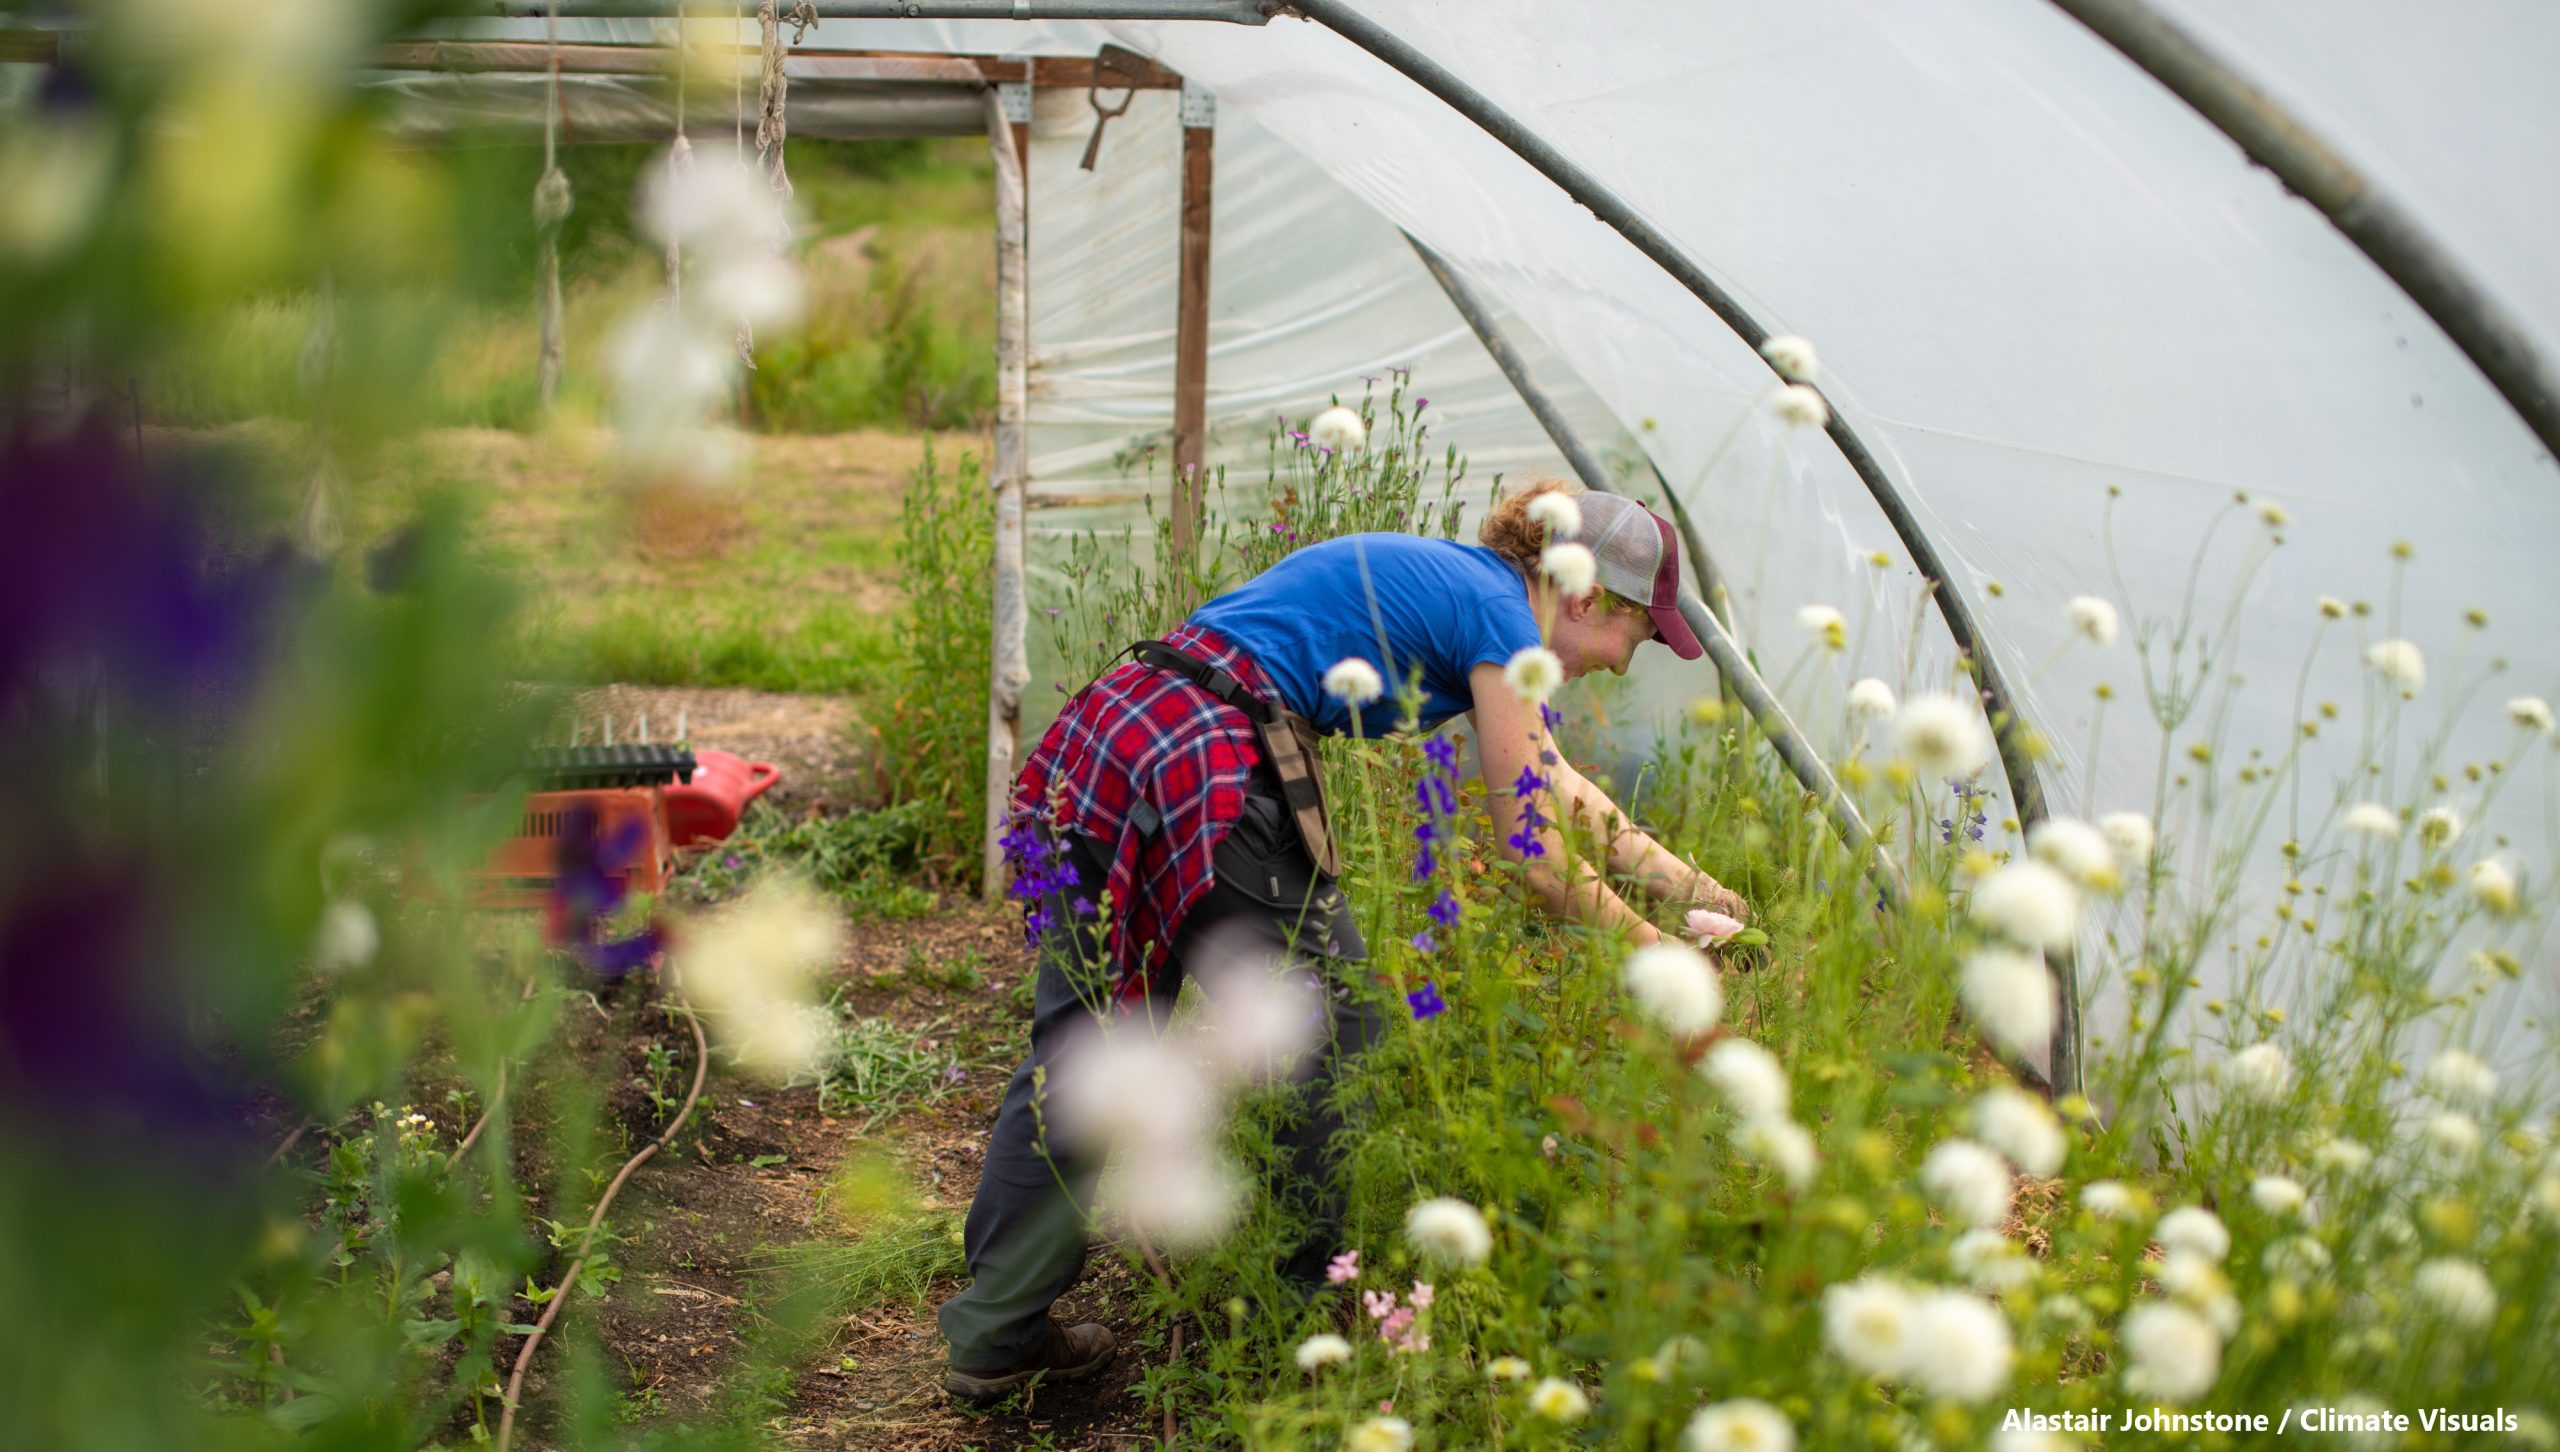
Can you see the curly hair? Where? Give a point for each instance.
(1509, 532)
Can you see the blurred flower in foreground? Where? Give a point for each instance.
(1871, 700)
(1749, 1077)
(1381, 1434)
(1960, 1346)
(1447, 1229)
(1827, 623)
(1800, 405)
(1675, 986)
(1941, 736)
(1570, 567)
(2019, 1126)
(1744, 1424)
(2461, 1077)
(1557, 510)
(2093, 619)
(2130, 833)
(751, 971)
(1338, 429)
(1534, 673)
(2193, 1230)
(2398, 662)
(1793, 358)
(1354, 682)
(2260, 1072)
(2081, 852)
(1971, 1183)
(2532, 713)
(2010, 996)
(1322, 1349)
(2028, 903)
(2371, 819)
(1559, 1400)
(2174, 1354)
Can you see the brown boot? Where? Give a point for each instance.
(1063, 1355)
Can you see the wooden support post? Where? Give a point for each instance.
(1191, 327)
(1009, 663)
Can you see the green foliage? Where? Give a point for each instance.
(875, 1068)
(932, 721)
(896, 1258)
(1307, 495)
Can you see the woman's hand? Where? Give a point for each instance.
(1708, 893)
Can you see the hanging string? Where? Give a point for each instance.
(679, 161)
(775, 87)
(738, 129)
(551, 203)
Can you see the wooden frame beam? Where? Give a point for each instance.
(1191, 326)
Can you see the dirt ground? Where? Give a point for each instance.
(757, 1171)
(812, 738)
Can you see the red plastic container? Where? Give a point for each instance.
(707, 808)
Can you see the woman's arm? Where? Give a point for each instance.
(1662, 873)
(1510, 739)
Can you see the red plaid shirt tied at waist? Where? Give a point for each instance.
(1154, 768)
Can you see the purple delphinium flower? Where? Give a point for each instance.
(1041, 871)
(590, 877)
(1444, 909)
(1526, 788)
(1426, 1001)
(1423, 942)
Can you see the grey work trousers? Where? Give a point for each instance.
(1026, 1232)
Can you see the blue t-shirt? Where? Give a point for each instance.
(1447, 607)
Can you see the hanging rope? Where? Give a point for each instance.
(551, 203)
(738, 130)
(679, 162)
(774, 90)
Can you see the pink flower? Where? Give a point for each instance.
(1708, 926)
(1422, 1295)
(1380, 1304)
(1398, 1322)
(1343, 1268)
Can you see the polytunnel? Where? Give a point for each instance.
(2087, 343)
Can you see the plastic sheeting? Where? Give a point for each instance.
(2035, 277)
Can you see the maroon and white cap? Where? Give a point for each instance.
(1639, 560)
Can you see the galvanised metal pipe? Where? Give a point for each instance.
(2380, 227)
(1232, 12)
(2008, 728)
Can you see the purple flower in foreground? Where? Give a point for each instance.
(1444, 909)
(1426, 1001)
(1423, 942)
(1440, 753)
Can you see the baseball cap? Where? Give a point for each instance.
(1639, 559)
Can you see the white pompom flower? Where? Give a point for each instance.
(1448, 1229)
(1534, 673)
(2193, 1230)
(2081, 852)
(2453, 1140)
(1569, 567)
(2371, 819)
(1676, 987)
(1745, 1424)
(1868, 1324)
(1749, 1077)
(2093, 619)
(1381, 1434)
(346, 937)
(1557, 510)
(1969, 1182)
(2018, 1125)
(2260, 1072)
(1800, 405)
(1321, 1350)
(1559, 1400)
(1793, 358)
(1827, 623)
(1961, 1348)
(2461, 1078)
(1990, 1261)
(2028, 903)
(2110, 1200)
(2493, 885)
(2439, 825)
(1781, 1144)
(2131, 834)
(2532, 713)
(1339, 429)
(2400, 663)
(2010, 996)
(1354, 682)
(1941, 736)
(2173, 1353)
(2342, 1156)
(2280, 1196)
(2459, 1290)
(1871, 700)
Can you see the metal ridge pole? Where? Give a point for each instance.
(2008, 728)
(2384, 231)
(1792, 748)
(1232, 12)
(1586, 465)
